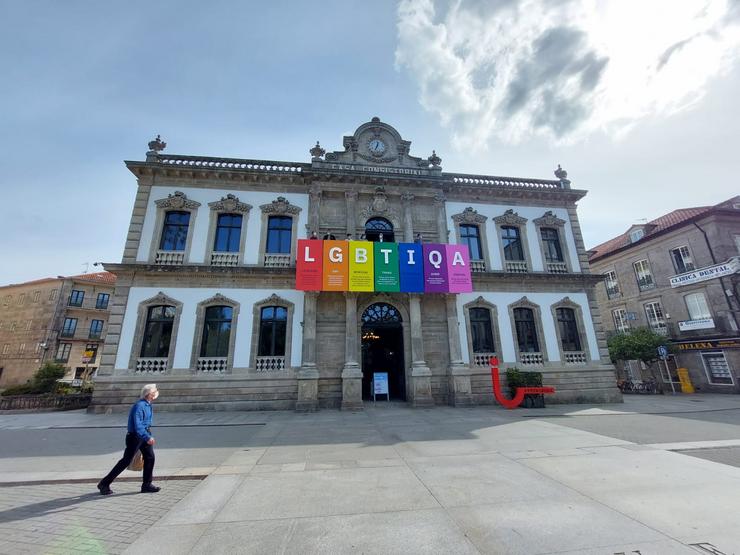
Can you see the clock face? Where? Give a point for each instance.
(376, 147)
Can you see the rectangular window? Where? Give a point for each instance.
(76, 298)
(21, 299)
(612, 285)
(526, 330)
(12, 326)
(551, 244)
(644, 275)
(38, 348)
(96, 329)
(63, 352)
(656, 321)
(228, 233)
(470, 236)
(620, 320)
(717, 369)
(512, 242)
(28, 325)
(697, 306)
(570, 340)
(7, 300)
(36, 296)
(6, 348)
(158, 331)
(273, 327)
(636, 235)
(53, 295)
(94, 348)
(682, 260)
(279, 231)
(21, 348)
(102, 302)
(70, 325)
(175, 231)
(481, 330)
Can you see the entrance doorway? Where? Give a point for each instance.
(382, 349)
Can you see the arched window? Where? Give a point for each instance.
(175, 231)
(569, 337)
(228, 233)
(216, 331)
(470, 236)
(526, 330)
(481, 330)
(279, 230)
(158, 331)
(375, 228)
(273, 320)
(381, 313)
(512, 243)
(551, 244)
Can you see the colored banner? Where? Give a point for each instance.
(435, 268)
(386, 267)
(411, 267)
(309, 265)
(336, 267)
(458, 269)
(361, 266)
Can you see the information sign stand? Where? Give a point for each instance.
(380, 385)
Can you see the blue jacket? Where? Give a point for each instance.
(140, 418)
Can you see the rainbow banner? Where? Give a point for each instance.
(388, 267)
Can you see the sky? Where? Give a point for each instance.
(637, 100)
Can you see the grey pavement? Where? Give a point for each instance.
(565, 479)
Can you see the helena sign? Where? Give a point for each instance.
(387, 267)
(710, 272)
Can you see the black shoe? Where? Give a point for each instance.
(104, 490)
(149, 488)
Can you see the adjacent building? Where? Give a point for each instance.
(207, 303)
(53, 320)
(678, 275)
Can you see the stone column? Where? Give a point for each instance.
(460, 390)
(442, 232)
(308, 375)
(421, 375)
(314, 206)
(351, 199)
(351, 373)
(408, 224)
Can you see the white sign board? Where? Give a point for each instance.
(710, 272)
(380, 383)
(701, 324)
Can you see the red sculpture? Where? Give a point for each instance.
(520, 391)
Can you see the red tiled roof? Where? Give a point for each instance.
(657, 225)
(100, 277)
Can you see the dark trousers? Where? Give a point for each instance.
(133, 444)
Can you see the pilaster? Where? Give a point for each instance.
(308, 375)
(408, 223)
(459, 373)
(421, 375)
(352, 372)
(442, 231)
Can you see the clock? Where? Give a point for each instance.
(376, 147)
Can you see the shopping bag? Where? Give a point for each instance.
(137, 463)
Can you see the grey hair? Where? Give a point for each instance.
(147, 389)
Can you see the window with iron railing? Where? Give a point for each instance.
(612, 285)
(655, 318)
(102, 301)
(76, 298)
(96, 329)
(644, 275)
(69, 327)
(682, 260)
(620, 320)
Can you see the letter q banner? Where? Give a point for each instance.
(309, 264)
(435, 268)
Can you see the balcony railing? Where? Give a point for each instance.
(662, 329)
(170, 258)
(575, 358)
(531, 359)
(477, 265)
(277, 260)
(212, 365)
(95, 335)
(225, 259)
(613, 292)
(482, 359)
(516, 266)
(646, 284)
(67, 333)
(557, 267)
(156, 365)
(270, 364)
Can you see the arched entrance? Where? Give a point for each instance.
(379, 229)
(382, 349)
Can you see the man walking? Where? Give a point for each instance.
(138, 438)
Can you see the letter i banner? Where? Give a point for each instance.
(360, 266)
(309, 265)
(411, 267)
(435, 268)
(458, 269)
(336, 266)
(386, 267)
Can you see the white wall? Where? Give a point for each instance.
(190, 297)
(531, 213)
(201, 221)
(506, 335)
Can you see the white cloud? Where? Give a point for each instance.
(514, 69)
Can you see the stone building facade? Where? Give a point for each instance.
(53, 320)
(678, 275)
(206, 302)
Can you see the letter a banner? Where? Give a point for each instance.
(360, 266)
(335, 266)
(411, 267)
(309, 265)
(435, 268)
(458, 269)
(386, 267)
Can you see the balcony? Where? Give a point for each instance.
(531, 359)
(482, 359)
(156, 365)
(646, 284)
(660, 328)
(557, 267)
(95, 335)
(170, 258)
(225, 259)
(212, 365)
(613, 292)
(270, 364)
(277, 260)
(575, 358)
(516, 266)
(67, 333)
(477, 265)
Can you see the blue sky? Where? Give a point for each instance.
(87, 84)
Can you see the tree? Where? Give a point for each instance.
(637, 344)
(43, 381)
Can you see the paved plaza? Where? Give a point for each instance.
(657, 474)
